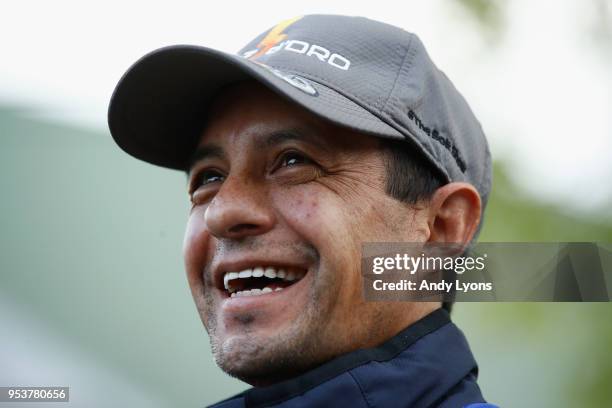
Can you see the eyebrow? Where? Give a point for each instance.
(205, 152)
(270, 140)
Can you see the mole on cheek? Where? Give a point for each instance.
(311, 208)
(304, 205)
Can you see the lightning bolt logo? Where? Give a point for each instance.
(273, 37)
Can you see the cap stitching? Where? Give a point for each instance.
(364, 114)
(399, 71)
(324, 81)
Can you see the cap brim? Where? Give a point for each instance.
(158, 107)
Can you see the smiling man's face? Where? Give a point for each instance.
(282, 202)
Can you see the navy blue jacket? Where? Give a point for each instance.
(429, 364)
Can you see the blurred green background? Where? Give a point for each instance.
(93, 294)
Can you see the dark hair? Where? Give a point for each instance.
(411, 178)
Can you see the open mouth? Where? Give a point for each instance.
(260, 280)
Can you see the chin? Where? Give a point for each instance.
(253, 363)
(263, 360)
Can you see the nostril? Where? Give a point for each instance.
(243, 228)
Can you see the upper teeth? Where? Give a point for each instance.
(259, 271)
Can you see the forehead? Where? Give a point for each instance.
(248, 112)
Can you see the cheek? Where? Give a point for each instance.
(321, 219)
(333, 227)
(195, 247)
(309, 212)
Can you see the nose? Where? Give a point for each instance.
(240, 209)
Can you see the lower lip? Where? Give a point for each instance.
(244, 303)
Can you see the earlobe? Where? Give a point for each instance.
(454, 213)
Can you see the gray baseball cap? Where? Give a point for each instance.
(362, 74)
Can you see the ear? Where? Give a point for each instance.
(454, 213)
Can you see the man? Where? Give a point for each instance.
(325, 132)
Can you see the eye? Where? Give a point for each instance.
(290, 159)
(207, 177)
